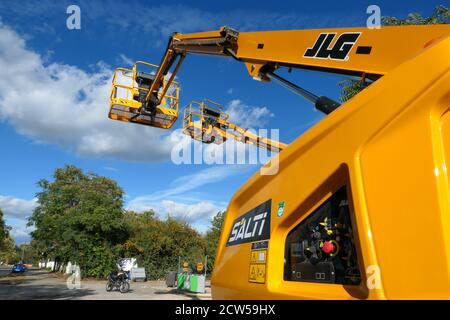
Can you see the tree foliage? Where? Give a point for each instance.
(157, 243)
(441, 15)
(351, 87)
(8, 252)
(27, 253)
(212, 239)
(79, 218)
(4, 230)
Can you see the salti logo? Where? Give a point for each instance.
(252, 226)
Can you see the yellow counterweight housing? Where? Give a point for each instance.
(389, 147)
(127, 95)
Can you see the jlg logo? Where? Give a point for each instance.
(339, 51)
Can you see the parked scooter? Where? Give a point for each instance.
(118, 280)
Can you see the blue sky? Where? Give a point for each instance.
(53, 95)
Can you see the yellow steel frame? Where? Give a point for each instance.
(195, 126)
(265, 51)
(128, 109)
(390, 146)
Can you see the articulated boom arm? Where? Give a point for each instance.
(354, 51)
(220, 42)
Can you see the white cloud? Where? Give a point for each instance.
(64, 105)
(176, 202)
(248, 116)
(198, 213)
(188, 183)
(20, 232)
(203, 210)
(44, 28)
(67, 106)
(16, 212)
(127, 61)
(163, 19)
(17, 208)
(111, 169)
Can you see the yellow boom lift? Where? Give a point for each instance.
(129, 92)
(205, 121)
(360, 206)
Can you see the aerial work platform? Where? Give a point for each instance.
(206, 121)
(129, 94)
(370, 175)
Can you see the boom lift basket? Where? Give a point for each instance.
(128, 94)
(205, 121)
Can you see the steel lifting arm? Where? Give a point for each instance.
(352, 51)
(248, 137)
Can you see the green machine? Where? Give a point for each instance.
(193, 278)
(197, 283)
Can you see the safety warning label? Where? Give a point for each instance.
(258, 258)
(257, 273)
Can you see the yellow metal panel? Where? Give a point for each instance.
(390, 46)
(389, 145)
(199, 35)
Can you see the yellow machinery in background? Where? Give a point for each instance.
(360, 205)
(129, 93)
(206, 121)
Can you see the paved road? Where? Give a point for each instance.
(37, 284)
(4, 270)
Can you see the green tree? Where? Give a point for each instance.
(8, 252)
(212, 239)
(27, 253)
(4, 231)
(157, 243)
(351, 87)
(441, 15)
(79, 218)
